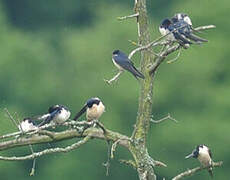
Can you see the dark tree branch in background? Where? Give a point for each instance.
(191, 172)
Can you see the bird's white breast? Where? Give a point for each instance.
(25, 126)
(62, 116)
(204, 156)
(95, 112)
(164, 31)
(188, 20)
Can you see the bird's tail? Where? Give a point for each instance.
(49, 118)
(196, 38)
(137, 73)
(80, 112)
(210, 172)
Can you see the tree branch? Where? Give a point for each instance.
(127, 17)
(67, 134)
(47, 151)
(191, 172)
(115, 78)
(163, 119)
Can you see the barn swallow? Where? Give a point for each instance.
(204, 155)
(170, 29)
(122, 62)
(182, 16)
(27, 125)
(184, 24)
(94, 108)
(57, 114)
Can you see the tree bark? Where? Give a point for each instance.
(138, 145)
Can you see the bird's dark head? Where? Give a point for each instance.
(116, 52)
(54, 108)
(195, 152)
(29, 120)
(165, 23)
(93, 101)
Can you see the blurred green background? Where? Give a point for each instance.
(60, 51)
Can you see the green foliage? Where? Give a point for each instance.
(63, 58)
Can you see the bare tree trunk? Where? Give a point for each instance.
(138, 146)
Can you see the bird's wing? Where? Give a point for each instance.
(128, 65)
(195, 38)
(80, 112)
(181, 37)
(210, 153)
(49, 117)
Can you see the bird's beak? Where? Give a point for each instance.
(189, 156)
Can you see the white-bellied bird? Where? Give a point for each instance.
(94, 108)
(57, 114)
(204, 155)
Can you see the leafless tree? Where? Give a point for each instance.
(136, 144)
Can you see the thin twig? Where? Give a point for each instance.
(201, 28)
(127, 17)
(174, 59)
(11, 117)
(32, 172)
(107, 163)
(168, 117)
(47, 151)
(115, 78)
(113, 148)
(159, 163)
(191, 172)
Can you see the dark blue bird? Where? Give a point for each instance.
(57, 114)
(174, 32)
(122, 62)
(183, 23)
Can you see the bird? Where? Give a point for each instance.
(184, 24)
(167, 27)
(204, 155)
(94, 108)
(57, 114)
(27, 125)
(182, 16)
(122, 62)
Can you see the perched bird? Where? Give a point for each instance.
(184, 24)
(182, 16)
(204, 155)
(57, 114)
(172, 29)
(94, 108)
(27, 125)
(122, 62)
